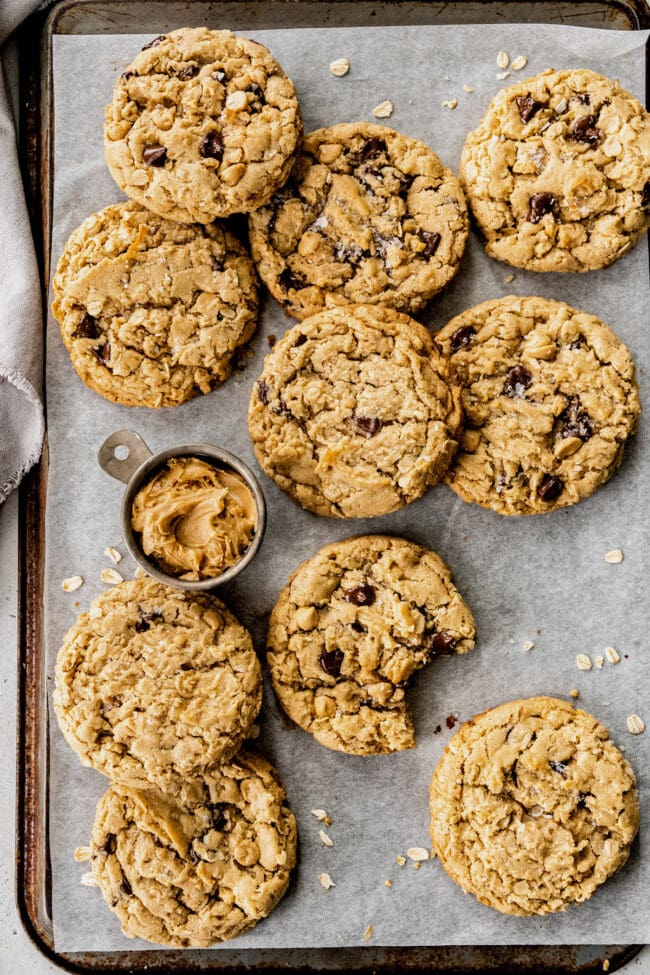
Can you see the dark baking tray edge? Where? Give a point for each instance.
(32, 859)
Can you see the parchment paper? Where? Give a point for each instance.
(542, 579)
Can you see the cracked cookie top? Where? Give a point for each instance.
(192, 873)
(558, 172)
(155, 685)
(202, 124)
(550, 397)
(350, 629)
(532, 807)
(368, 215)
(151, 311)
(356, 413)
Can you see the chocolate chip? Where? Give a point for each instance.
(461, 337)
(189, 72)
(281, 408)
(127, 74)
(300, 341)
(211, 145)
(271, 339)
(559, 767)
(370, 149)
(220, 75)
(450, 721)
(87, 328)
(147, 617)
(155, 42)
(574, 421)
(257, 91)
(437, 729)
(125, 888)
(441, 644)
(141, 626)
(518, 379)
(527, 107)
(362, 595)
(154, 155)
(367, 426)
(331, 661)
(577, 343)
(431, 240)
(263, 390)
(539, 205)
(358, 627)
(103, 353)
(110, 843)
(584, 130)
(583, 97)
(550, 487)
(645, 196)
(352, 252)
(220, 816)
(218, 263)
(193, 856)
(290, 281)
(582, 800)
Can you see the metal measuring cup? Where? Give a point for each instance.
(125, 456)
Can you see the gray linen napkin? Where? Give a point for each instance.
(22, 424)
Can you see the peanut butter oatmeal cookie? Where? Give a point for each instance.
(154, 685)
(202, 124)
(350, 629)
(151, 311)
(368, 215)
(550, 399)
(558, 172)
(532, 807)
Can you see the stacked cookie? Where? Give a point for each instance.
(158, 689)
(155, 296)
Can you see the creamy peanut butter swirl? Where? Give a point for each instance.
(194, 520)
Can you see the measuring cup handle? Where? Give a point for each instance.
(136, 454)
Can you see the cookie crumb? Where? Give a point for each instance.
(503, 59)
(416, 866)
(339, 67)
(324, 838)
(583, 661)
(367, 934)
(417, 853)
(113, 554)
(635, 725)
(574, 693)
(606, 965)
(72, 583)
(326, 881)
(87, 880)
(509, 278)
(614, 557)
(111, 576)
(383, 110)
(599, 661)
(400, 860)
(452, 103)
(612, 655)
(468, 89)
(388, 883)
(519, 62)
(528, 645)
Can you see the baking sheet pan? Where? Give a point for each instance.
(33, 873)
(519, 576)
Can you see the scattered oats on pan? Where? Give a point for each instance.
(503, 59)
(326, 881)
(583, 661)
(324, 838)
(367, 934)
(113, 554)
(612, 655)
(417, 853)
(614, 557)
(340, 67)
(111, 576)
(383, 110)
(519, 63)
(72, 584)
(635, 725)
